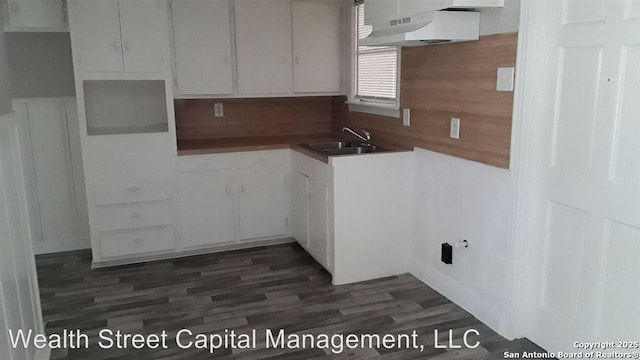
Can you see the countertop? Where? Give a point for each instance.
(224, 145)
(238, 144)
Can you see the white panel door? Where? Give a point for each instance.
(144, 27)
(318, 220)
(18, 281)
(300, 213)
(317, 40)
(206, 207)
(53, 171)
(202, 45)
(47, 14)
(99, 35)
(588, 289)
(263, 45)
(262, 202)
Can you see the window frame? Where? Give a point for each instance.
(365, 104)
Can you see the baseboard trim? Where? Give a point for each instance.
(483, 311)
(55, 246)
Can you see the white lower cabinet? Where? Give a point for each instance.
(206, 207)
(137, 242)
(230, 198)
(311, 207)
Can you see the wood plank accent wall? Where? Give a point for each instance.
(253, 117)
(444, 81)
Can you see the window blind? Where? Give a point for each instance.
(376, 66)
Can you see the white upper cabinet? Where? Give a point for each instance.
(36, 15)
(121, 35)
(143, 24)
(263, 42)
(202, 45)
(316, 46)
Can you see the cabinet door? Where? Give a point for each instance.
(45, 14)
(206, 208)
(316, 46)
(300, 213)
(202, 45)
(99, 34)
(143, 24)
(263, 43)
(318, 220)
(53, 172)
(263, 210)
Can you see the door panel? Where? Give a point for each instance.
(316, 46)
(100, 41)
(202, 42)
(300, 213)
(263, 209)
(591, 178)
(53, 171)
(143, 34)
(318, 221)
(263, 45)
(37, 13)
(206, 208)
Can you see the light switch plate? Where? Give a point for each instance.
(218, 110)
(454, 132)
(505, 79)
(406, 117)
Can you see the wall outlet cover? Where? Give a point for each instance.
(505, 80)
(218, 110)
(454, 131)
(406, 117)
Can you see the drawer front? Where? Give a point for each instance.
(122, 217)
(263, 158)
(132, 192)
(137, 242)
(206, 162)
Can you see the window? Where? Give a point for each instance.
(376, 68)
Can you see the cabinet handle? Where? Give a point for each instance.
(133, 189)
(127, 45)
(138, 241)
(297, 60)
(204, 164)
(116, 45)
(226, 59)
(14, 7)
(136, 215)
(243, 188)
(228, 188)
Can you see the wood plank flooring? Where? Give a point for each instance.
(274, 287)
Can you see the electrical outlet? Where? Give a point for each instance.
(454, 131)
(218, 110)
(505, 79)
(406, 117)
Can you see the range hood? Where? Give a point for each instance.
(423, 22)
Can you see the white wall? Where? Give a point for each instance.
(500, 20)
(40, 64)
(455, 200)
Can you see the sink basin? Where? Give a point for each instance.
(337, 148)
(332, 145)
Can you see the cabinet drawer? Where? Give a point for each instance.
(137, 242)
(263, 158)
(122, 217)
(132, 192)
(206, 162)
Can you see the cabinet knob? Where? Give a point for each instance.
(14, 7)
(228, 190)
(133, 189)
(138, 241)
(127, 45)
(226, 59)
(136, 215)
(204, 164)
(297, 60)
(116, 45)
(243, 188)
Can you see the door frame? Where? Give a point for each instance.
(526, 165)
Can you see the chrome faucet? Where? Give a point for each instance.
(366, 137)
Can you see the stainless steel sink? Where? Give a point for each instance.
(337, 148)
(331, 145)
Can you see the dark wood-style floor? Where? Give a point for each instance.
(275, 287)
